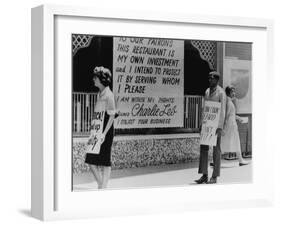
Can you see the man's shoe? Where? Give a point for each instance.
(213, 180)
(201, 180)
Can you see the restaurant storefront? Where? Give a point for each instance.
(150, 76)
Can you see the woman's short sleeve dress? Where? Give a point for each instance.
(230, 141)
(104, 157)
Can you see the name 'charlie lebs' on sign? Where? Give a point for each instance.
(148, 82)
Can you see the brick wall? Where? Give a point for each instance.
(142, 153)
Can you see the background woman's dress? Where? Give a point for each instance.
(230, 141)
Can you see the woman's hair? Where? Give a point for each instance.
(228, 90)
(104, 75)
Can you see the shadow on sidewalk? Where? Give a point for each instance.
(119, 173)
(137, 171)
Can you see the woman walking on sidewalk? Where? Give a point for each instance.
(100, 163)
(230, 141)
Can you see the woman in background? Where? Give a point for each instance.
(100, 164)
(230, 141)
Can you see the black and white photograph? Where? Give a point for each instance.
(140, 112)
(157, 112)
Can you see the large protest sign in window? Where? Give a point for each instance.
(148, 82)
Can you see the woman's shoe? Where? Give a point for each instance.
(213, 180)
(201, 180)
(243, 163)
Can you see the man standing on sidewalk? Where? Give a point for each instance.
(217, 94)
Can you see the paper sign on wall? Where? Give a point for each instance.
(148, 82)
(210, 121)
(96, 128)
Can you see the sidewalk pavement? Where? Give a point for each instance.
(164, 175)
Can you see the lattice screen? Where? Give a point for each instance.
(208, 51)
(80, 41)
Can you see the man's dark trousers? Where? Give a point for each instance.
(203, 162)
